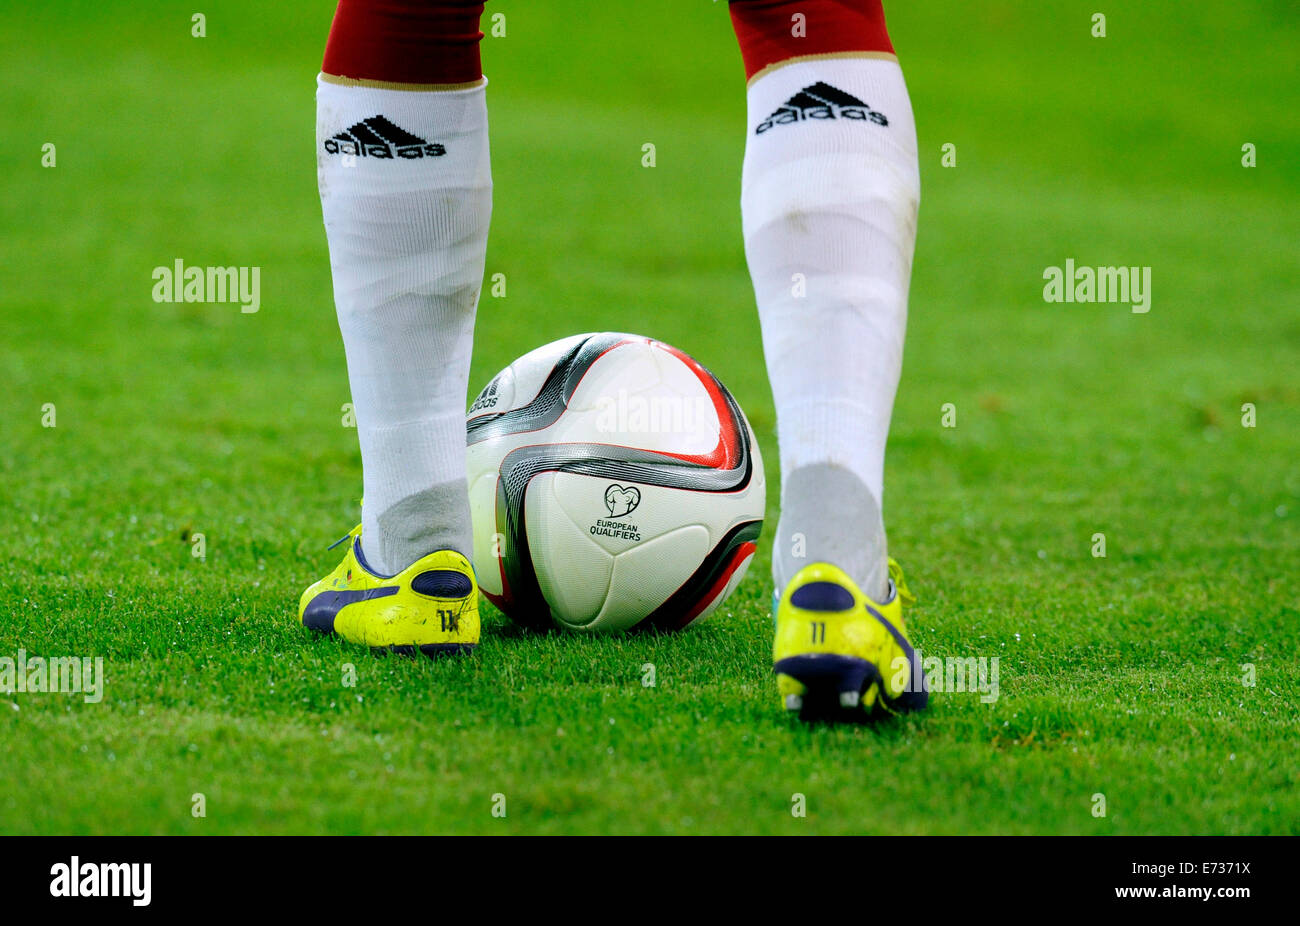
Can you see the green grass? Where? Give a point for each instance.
(1118, 676)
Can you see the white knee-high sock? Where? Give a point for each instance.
(829, 200)
(406, 192)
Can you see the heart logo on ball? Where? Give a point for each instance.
(621, 501)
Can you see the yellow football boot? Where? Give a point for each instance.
(431, 606)
(838, 654)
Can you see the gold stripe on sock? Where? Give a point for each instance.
(390, 85)
(881, 55)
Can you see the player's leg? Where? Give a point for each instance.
(829, 200)
(405, 188)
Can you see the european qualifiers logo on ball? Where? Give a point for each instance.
(619, 501)
(378, 137)
(821, 101)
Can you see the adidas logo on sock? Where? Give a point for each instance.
(821, 101)
(377, 137)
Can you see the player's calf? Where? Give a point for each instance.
(406, 193)
(829, 201)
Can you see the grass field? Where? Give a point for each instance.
(1119, 676)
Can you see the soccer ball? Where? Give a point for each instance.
(614, 484)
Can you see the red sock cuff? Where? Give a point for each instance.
(769, 33)
(405, 41)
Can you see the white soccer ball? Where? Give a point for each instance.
(614, 484)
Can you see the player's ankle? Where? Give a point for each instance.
(399, 535)
(829, 515)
